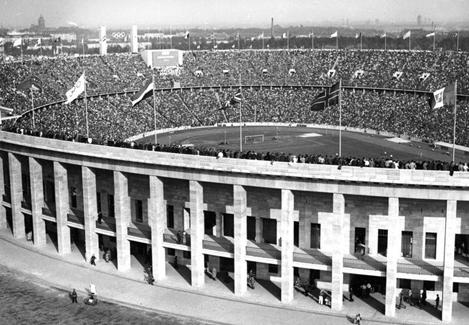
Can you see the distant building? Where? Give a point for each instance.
(41, 23)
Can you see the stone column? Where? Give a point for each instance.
(240, 239)
(157, 221)
(286, 232)
(90, 212)
(186, 225)
(337, 276)
(448, 267)
(16, 195)
(37, 202)
(259, 228)
(3, 215)
(393, 253)
(219, 225)
(197, 233)
(122, 213)
(62, 207)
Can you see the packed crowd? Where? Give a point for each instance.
(376, 68)
(112, 117)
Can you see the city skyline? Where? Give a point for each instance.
(223, 13)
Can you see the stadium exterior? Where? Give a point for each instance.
(282, 220)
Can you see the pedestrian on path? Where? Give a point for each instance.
(437, 301)
(358, 319)
(93, 260)
(74, 296)
(350, 292)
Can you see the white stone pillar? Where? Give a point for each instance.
(393, 253)
(37, 202)
(240, 239)
(286, 224)
(90, 212)
(102, 41)
(448, 267)
(157, 221)
(3, 215)
(337, 276)
(197, 233)
(134, 39)
(62, 208)
(219, 225)
(16, 196)
(259, 230)
(122, 214)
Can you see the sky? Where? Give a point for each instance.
(225, 13)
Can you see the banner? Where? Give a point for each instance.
(76, 90)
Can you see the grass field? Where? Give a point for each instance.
(295, 140)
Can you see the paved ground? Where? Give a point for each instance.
(215, 302)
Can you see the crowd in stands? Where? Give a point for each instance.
(112, 117)
(311, 68)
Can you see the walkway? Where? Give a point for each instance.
(216, 303)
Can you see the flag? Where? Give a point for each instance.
(143, 92)
(17, 42)
(233, 100)
(334, 35)
(430, 35)
(406, 35)
(327, 98)
(383, 35)
(76, 90)
(261, 36)
(443, 96)
(358, 35)
(187, 35)
(233, 46)
(334, 93)
(284, 35)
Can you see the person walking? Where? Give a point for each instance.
(358, 319)
(350, 293)
(74, 296)
(437, 301)
(93, 260)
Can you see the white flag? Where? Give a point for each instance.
(76, 90)
(334, 35)
(383, 36)
(17, 42)
(438, 94)
(430, 35)
(406, 35)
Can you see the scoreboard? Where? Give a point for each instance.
(161, 59)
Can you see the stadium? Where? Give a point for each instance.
(223, 169)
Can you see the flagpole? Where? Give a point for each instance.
(32, 105)
(410, 36)
(454, 122)
(385, 42)
(340, 118)
(240, 122)
(361, 42)
(434, 36)
(288, 40)
(262, 41)
(86, 107)
(337, 41)
(154, 106)
(239, 46)
(457, 42)
(312, 40)
(189, 40)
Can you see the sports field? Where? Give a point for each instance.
(298, 140)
